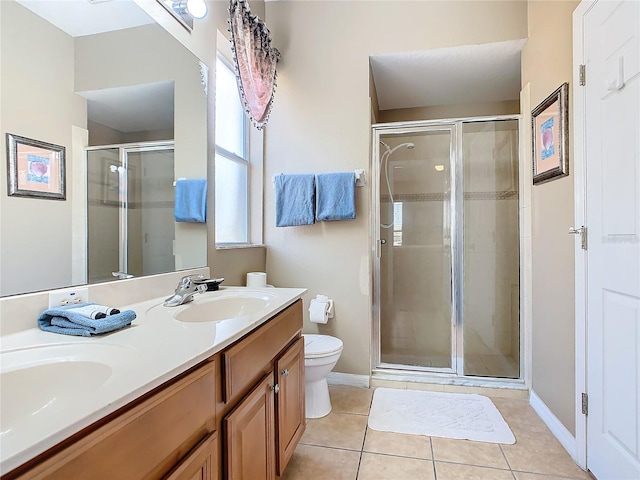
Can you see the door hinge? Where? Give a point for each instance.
(585, 404)
(582, 74)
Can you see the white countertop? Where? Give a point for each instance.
(129, 363)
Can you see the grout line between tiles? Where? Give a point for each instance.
(505, 457)
(329, 446)
(545, 475)
(433, 459)
(358, 469)
(474, 465)
(395, 455)
(364, 439)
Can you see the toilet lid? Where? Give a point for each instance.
(321, 345)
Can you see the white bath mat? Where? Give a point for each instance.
(438, 414)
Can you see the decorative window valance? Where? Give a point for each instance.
(255, 61)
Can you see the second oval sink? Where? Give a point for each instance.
(224, 307)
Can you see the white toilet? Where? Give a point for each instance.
(321, 353)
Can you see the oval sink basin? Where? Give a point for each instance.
(224, 307)
(38, 383)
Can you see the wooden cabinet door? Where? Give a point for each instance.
(200, 464)
(250, 435)
(290, 406)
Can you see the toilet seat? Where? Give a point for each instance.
(316, 346)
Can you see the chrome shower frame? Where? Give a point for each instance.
(417, 373)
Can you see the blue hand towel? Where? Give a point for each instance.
(294, 200)
(336, 196)
(191, 201)
(64, 320)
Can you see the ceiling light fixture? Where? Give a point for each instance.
(185, 11)
(196, 8)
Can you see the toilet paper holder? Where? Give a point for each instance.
(325, 299)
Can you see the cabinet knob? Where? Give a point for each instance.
(285, 372)
(275, 388)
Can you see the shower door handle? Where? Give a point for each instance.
(379, 244)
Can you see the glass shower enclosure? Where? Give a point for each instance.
(130, 205)
(446, 247)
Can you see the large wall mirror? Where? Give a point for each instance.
(127, 102)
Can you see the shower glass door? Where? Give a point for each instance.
(130, 221)
(416, 200)
(491, 278)
(447, 259)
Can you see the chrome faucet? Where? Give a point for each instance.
(185, 291)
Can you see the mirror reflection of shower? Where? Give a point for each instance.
(130, 199)
(384, 166)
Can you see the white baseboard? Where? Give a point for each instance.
(348, 379)
(563, 435)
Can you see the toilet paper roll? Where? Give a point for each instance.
(318, 311)
(256, 279)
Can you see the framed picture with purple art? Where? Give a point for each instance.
(550, 136)
(35, 169)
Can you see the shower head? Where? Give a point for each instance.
(389, 150)
(407, 145)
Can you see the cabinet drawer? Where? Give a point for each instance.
(245, 362)
(144, 442)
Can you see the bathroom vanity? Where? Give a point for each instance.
(234, 410)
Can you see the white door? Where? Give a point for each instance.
(612, 162)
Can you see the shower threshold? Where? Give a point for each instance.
(395, 377)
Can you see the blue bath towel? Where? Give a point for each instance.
(336, 196)
(64, 320)
(191, 201)
(294, 200)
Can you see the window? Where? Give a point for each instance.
(397, 224)
(232, 160)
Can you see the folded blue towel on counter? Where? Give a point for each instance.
(67, 322)
(336, 196)
(191, 201)
(295, 195)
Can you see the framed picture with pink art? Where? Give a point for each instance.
(550, 136)
(35, 169)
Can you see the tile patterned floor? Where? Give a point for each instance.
(341, 446)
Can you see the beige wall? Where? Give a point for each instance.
(553, 363)
(321, 123)
(30, 50)
(506, 107)
(100, 134)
